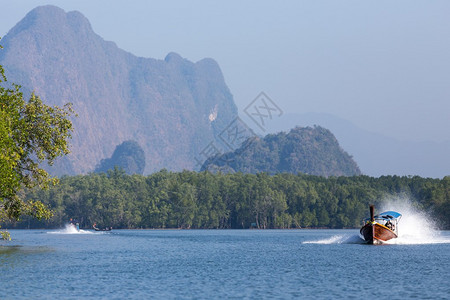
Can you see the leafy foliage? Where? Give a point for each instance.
(205, 200)
(306, 150)
(30, 133)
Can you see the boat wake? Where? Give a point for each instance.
(415, 228)
(69, 229)
(339, 239)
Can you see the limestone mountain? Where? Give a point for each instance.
(128, 156)
(172, 108)
(309, 150)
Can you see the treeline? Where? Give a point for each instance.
(204, 200)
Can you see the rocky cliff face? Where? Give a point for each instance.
(172, 108)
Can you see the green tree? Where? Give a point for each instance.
(30, 133)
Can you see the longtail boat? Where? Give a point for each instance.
(101, 229)
(380, 228)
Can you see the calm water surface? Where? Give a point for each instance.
(211, 264)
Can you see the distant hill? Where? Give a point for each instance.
(375, 153)
(172, 108)
(310, 150)
(128, 156)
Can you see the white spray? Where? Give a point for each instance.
(70, 229)
(415, 226)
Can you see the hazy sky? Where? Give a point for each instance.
(384, 65)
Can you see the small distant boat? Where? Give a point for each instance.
(380, 228)
(101, 229)
(75, 227)
(74, 224)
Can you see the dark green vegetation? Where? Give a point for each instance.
(307, 150)
(30, 133)
(204, 200)
(128, 156)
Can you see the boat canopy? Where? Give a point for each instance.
(387, 215)
(390, 214)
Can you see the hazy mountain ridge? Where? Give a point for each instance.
(163, 105)
(375, 153)
(309, 150)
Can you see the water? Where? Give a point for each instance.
(212, 264)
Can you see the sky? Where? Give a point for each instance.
(383, 65)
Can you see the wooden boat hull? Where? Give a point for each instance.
(375, 233)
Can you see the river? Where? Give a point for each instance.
(213, 264)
